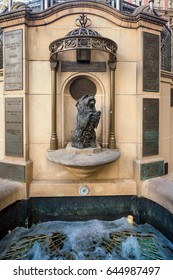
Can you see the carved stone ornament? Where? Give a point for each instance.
(20, 6)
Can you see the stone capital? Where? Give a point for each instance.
(54, 64)
(112, 65)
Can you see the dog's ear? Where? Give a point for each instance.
(84, 96)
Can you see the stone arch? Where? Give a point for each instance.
(67, 101)
(83, 40)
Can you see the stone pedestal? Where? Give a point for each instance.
(83, 162)
(87, 151)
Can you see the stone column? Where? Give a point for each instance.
(46, 4)
(10, 3)
(112, 140)
(119, 5)
(53, 139)
(151, 3)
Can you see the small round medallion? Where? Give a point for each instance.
(82, 86)
(83, 190)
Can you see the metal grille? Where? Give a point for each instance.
(54, 246)
(166, 49)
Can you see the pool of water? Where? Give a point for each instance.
(86, 240)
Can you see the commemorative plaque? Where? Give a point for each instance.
(152, 170)
(151, 58)
(82, 86)
(13, 57)
(72, 66)
(12, 172)
(14, 127)
(150, 126)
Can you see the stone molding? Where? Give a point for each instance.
(50, 15)
(166, 74)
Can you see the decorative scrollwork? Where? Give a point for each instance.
(70, 43)
(101, 44)
(83, 38)
(83, 21)
(83, 32)
(84, 43)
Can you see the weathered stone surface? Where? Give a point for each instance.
(86, 151)
(55, 188)
(159, 190)
(10, 192)
(71, 159)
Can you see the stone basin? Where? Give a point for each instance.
(83, 162)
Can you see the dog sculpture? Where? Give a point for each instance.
(84, 135)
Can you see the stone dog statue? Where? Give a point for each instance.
(84, 135)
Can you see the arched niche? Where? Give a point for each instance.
(83, 41)
(70, 92)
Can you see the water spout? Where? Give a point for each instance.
(130, 219)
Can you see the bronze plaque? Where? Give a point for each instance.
(152, 170)
(12, 172)
(14, 127)
(150, 126)
(13, 57)
(81, 86)
(151, 58)
(71, 66)
(83, 55)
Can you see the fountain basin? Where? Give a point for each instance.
(86, 240)
(78, 215)
(147, 208)
(83, 163)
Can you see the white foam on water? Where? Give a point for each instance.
(84, 240)
(131, 249)
(36, 252)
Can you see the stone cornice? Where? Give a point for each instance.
(50, 15)
(152, 19)
(166, 74)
